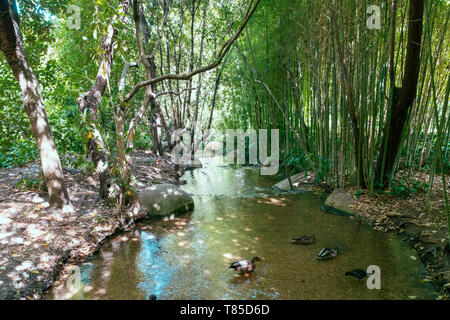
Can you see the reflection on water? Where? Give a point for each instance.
(157, 272)
(238, 215)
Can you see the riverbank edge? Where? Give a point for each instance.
(37, 283)
(63, 273)
(412, 239)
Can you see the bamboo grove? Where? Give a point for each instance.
(319, 73)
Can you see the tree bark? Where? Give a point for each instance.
(143, 39)
(89, 101)
(12, 46)
(403, 97)
(199, 88)
(155, 114)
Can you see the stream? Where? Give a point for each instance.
(239, 215)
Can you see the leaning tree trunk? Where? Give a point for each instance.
(12, 46)
(403, 97)
(89, 101)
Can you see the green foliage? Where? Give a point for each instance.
(324, 169)
(32, 184)
(429, 143)
(287, 45)
(405, 187)
(19, 154)
(142, 139)
(17, 146)
(68, 129)
(359, 193)
(296, 161)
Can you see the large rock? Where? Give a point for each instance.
(340, 202)
(166, 199)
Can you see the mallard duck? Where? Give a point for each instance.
(304, 240)
(244, 266)
(327, 253)
(358, 273)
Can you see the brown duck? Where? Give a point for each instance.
(245, 266)
(304, 240)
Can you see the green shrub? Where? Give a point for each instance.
(32, 184)
(405, 188)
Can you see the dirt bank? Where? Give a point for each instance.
(36, 241)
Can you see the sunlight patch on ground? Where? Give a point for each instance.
(228, 255)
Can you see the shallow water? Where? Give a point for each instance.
(238, 215)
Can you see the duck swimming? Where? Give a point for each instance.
(327, 253)
(358, 273)
(304, 240)
(244, 266)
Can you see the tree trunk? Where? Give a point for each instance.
(92, 98)
(403, 97)
(143, 38)
(12, 46)
(199, 88)
(155, 114)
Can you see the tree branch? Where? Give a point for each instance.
(173, 92)
(222, 53)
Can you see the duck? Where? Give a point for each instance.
(327, 253)
(358, 273)
(304, 240)
(245, 266)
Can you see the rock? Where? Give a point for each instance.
(340, 202)
(189, 164)
(166, 147)
(165, 199)
(295, 179)
(148, 161)
(70, 170)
